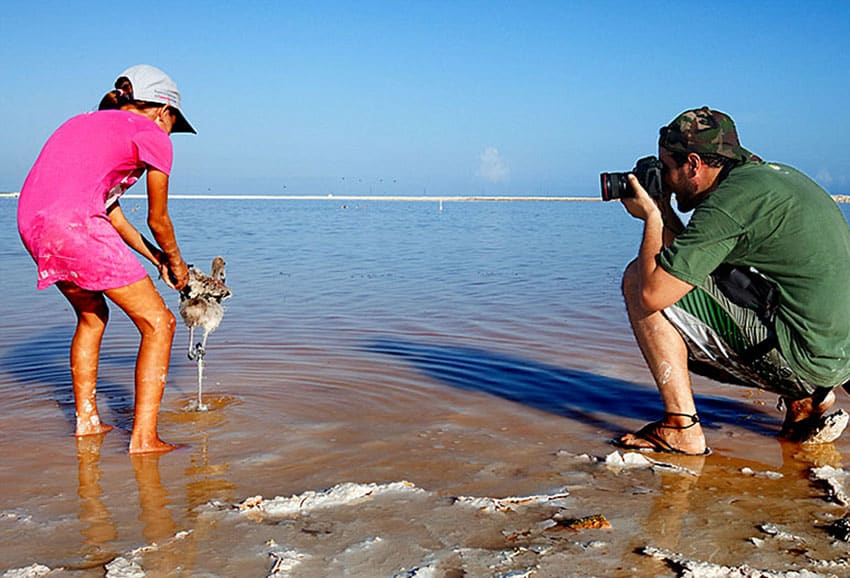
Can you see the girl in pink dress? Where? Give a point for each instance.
(71, 223)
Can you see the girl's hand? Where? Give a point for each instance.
(164, 274)
(177, 274)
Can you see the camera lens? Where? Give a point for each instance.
(614, 186)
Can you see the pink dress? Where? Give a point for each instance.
(83, 168)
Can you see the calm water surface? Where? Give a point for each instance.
(460, 349)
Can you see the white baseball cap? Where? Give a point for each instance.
(150, 84)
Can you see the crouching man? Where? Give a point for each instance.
(754, 291)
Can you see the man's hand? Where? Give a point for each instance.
(641, 206)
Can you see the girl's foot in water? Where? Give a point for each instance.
(91, 425)
(152, 445)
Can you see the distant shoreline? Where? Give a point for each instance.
(447, 198)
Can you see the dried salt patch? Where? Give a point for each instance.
(519, 573)
(123, 568)
(429, 571)
(284, 560)
(778, 533)
(12, 516)
(701, 569)
(34, 571)
(364, 546)
(765, 474)
(840, 563)
(340, 495)
(593, 545)
(639, 460)
(834, 480)
(154, 546)
(627, 460)
(487, 504)
(581, 458)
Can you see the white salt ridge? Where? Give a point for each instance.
(429, 571)
(33, 571)
(780, 534)
(765, 474)
(487, 504)
(340, 495)
(123, 568)
(702, 569)
(284, 560)
(639, 460)
(14, 517)
(834, 479)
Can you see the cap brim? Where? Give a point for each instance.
(182, 125)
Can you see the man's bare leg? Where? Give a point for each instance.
(666, 356)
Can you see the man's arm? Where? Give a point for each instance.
(658, 288)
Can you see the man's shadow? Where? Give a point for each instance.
(40, 366)
(571, 393)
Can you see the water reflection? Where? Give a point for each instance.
(208, 480)
(718, 502)
(158, 525)
(98, 529)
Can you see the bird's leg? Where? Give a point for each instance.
(192, 353)
(202, 346)
(201, 406)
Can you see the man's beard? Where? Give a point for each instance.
(688, 200)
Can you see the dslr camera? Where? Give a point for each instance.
(648, 173)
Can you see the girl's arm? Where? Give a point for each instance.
(138, 242)
(132, 236)
(163, 231)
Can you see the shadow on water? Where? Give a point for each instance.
(563, 391)
(41, 364)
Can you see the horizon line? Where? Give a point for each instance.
(413, 198)
(331, 197)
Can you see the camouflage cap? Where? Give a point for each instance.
(703, 130)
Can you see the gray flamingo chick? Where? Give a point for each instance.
(200, 304)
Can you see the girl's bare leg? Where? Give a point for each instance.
(156, 324)
(92, 316)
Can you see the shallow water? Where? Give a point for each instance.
(471, 351)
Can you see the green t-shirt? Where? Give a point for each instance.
(774, 218)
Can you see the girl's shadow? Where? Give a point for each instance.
(41, 367)
(563, 391)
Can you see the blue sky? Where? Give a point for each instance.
(433, 97)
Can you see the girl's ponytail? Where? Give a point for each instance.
(121, 95)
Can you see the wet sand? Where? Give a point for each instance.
(488, 356)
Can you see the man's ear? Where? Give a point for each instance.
(694, 162)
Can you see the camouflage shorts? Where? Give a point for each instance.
(729, 343)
